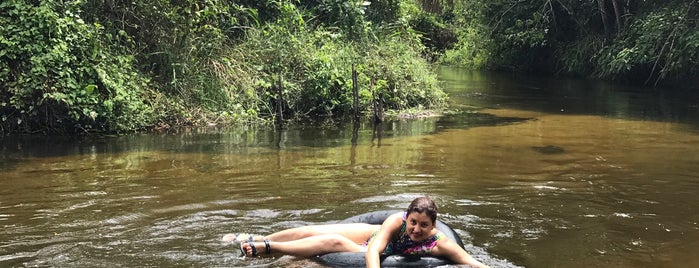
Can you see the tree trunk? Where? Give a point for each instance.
(603, 12)
(280, 101)
(618, 14)
(355, 93)
(432, 6)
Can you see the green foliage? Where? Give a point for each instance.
(468, 52)
(383, 11)
(56, 73)
(435, 35)
(498, 34)
(73, 66)
(185, 46)
(315, 69)
(327, 87)
(473, 46)
(660, 44)
(651, 41)
(518, 30)
(576, 57)
(400, 78)
(346, 15)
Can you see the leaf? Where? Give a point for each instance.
(90, 88)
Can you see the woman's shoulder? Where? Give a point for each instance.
(444, 244)
(441, 237)
(400, 216)
(394, 219)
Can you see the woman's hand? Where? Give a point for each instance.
(452, 251)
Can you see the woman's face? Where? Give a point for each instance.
(419, 226)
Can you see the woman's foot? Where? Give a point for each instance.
(242, 237)
(250, 249)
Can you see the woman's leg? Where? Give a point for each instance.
(355, 232)
(307, 247)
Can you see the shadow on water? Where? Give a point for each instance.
(239, 140)
(570, 96)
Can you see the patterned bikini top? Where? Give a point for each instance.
(402, 244)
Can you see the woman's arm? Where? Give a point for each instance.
(377, 245)
(449, 249)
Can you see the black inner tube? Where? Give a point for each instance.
(356, 259)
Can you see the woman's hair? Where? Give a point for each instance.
(423, 204)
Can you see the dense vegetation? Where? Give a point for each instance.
(84, 66)
(113, 66)
(649, 42)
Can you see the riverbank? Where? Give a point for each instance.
(107, 67)
(191, 64)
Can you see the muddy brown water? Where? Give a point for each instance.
(532, 172)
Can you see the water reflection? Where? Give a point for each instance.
(570, 96)
(609, 181)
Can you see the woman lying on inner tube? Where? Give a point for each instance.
(411, 232)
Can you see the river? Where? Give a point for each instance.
(531, 172)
